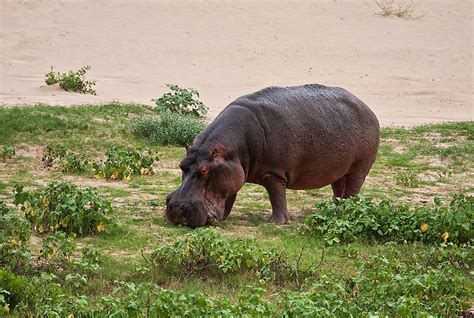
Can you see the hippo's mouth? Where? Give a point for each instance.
(212, 214)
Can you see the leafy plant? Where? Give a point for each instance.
(208, 251)
(122, 163)
(181, 101)
(347, 220)
(408, 179)
(90, 261)
(52, 153)
(62, 206)
(14, 289)
(71, 163)
(169, 129)
(72, 80)
(439, 289)
(58, 247)
(7, 152)
(68, 161)
(383, 287)
(14, 239)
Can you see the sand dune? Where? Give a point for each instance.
(409, 71)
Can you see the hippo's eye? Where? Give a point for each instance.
(204, 171)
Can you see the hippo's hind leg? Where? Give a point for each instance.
(355, 179)
(338, 187)
(353, 183)
(276, 189)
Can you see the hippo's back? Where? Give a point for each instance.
(311, 132)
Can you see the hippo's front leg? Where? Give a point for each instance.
(276, 188)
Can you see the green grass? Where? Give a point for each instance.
(439, 155)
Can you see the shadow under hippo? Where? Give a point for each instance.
(301, 137)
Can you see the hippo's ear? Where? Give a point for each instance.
(219, 152)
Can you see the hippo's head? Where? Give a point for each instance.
(212, 176)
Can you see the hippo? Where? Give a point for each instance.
(301, 137)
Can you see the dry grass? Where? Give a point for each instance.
(393, 8)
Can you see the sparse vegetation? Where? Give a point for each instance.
(395, 8)
(72, 81)
(7, 152)
(408, 179)
(181, 101)
(121, 163)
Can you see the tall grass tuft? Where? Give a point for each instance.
(168, 129)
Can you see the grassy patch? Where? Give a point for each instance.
(358, 276)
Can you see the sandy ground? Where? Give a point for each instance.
(409, 71)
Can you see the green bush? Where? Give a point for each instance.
(384, 287)
(58, 247)
(391, 286)
(15, 289)
(73, 164)
(169, 129)
(62, 206)
(68, 161)
(122, 163)
(347, 220)
(50, 299)
(14, 239)
(207, 250)
(72, 80)
(181, 101)
(7, 152)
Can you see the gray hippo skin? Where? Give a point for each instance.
(301, 137)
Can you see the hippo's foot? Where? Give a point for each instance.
(279, 218)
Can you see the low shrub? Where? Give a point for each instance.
(58, 247)
(71, 163)
(394, 287)
(181, 101)
(14, 289)
(62, 206)
(68, 161)
(384, 287)
(209, 251)
(72, 80)
(122, 163)
(14, 239)
(7, 152)
(347, 220)
(168, 129)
